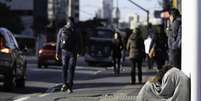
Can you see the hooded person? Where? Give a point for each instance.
(136, 50)
(170, 84)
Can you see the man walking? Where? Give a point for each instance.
(68, 46)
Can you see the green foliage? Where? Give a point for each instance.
(10, 20)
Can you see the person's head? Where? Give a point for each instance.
(70, 21)
(137, 30)
(116, 36)
(149, 25)
(162, 72)
(174, 13)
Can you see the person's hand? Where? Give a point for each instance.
(154, 79)
(57, 57)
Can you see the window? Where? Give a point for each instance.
(102, 34)
(13, 42)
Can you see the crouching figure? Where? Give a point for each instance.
(170, 84)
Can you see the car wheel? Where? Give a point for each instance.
(46, 66)
(21, 82)
(39, 65)
(10, 80)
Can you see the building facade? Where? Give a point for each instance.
(107, 10)
(73, 9)
(24, 11)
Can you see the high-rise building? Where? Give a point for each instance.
(73, 9)
(40, 15)
(107, 10)
(57, 10)
(116, 15)
(99, 14)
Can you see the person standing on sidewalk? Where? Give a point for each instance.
(159, 46)
(117, 47)
(135, 47)
(147, 43)
(68, 45)
(174, 38)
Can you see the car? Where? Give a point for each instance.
(12, 61)
(47, 55)
(99, 47)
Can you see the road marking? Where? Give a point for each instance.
(43, 95)
(95, 73)
(22, 99)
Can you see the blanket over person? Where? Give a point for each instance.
(175, 86)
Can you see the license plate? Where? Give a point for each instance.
(51, 61)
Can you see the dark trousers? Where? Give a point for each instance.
(136, 63)
(68, 70)
(160, 61)
(116, 65)
(175, 58)
(149, 62)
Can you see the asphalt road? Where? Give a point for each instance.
(87, 78)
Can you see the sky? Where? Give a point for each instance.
(89, 7)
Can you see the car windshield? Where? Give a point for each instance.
(101, 33)
(49, 47)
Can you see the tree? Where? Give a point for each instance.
(10, 20)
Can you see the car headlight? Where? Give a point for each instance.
(40, 51)
(5, 50)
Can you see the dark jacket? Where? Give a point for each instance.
(159, 43)
(76, 44)
(135, 46)
(117, 46)
(174, 34)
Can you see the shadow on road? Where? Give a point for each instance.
(98, 85)
(26, 90)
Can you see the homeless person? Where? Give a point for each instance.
(170, 84)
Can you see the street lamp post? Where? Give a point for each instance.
(147, 11)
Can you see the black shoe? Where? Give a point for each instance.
(64, 88)
(67, 88)
(70, 90)
(133, 82)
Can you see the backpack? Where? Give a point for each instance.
(67, 38)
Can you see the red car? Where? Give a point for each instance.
(46, 55)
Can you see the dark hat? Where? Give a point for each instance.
(71, 19)
(175, 12)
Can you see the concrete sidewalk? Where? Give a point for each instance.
(113, 93)
(127, 93)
